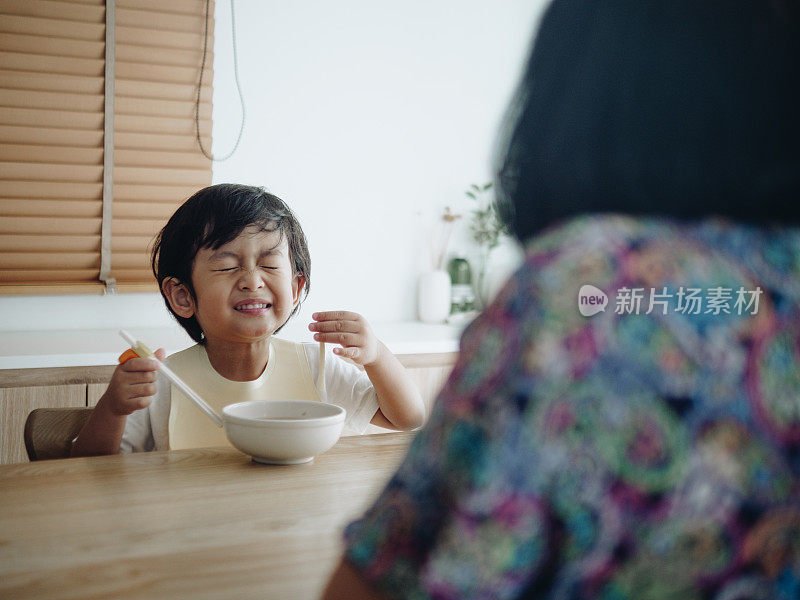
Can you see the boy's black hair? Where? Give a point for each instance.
(681, 108)
(212, 217)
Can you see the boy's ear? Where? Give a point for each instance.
(178, 297)
(298, 283)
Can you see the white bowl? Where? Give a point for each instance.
(283, 432)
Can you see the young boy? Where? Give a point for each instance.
(232, 265)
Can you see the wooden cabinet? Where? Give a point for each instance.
(17, 403)
(429, 380)
(94, 391)
(22, 390)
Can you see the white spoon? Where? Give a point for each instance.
(323, 393)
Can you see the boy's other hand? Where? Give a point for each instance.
(351, 331)
(132, 385)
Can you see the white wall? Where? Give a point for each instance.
(367, 118)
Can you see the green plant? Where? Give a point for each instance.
(486, 226)
(487, 230)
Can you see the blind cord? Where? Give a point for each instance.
(108, 150)
(200, 87)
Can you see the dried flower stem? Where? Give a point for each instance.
(439, 250)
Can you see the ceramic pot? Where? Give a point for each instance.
(433, 298)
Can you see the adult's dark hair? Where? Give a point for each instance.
(214, 216)
(679, 108)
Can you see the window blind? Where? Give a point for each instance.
(157, 161)
(52, 63)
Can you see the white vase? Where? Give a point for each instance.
(433, 297)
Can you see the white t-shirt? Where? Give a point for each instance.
(346, 386)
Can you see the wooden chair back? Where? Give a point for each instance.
(49, 431)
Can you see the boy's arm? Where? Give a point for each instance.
(400, 405)
(131, 388)
(101, 434)
(399, 401)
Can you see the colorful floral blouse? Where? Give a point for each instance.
(623, 422)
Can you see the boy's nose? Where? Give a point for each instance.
(250, 279)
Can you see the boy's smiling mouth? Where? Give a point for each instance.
(252, 306)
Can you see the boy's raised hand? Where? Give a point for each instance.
(132, 385)
(349, 329)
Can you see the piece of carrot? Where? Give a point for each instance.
(127, 355)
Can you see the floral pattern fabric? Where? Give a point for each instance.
(624, 455)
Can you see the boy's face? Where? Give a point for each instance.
(244, 289)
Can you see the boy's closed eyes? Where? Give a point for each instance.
(225, 269)
(225, 260)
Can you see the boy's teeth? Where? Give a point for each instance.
(251, 306)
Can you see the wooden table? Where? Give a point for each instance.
(206, 523)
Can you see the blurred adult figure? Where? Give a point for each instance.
(623, 421)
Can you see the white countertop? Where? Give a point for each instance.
(81, 347)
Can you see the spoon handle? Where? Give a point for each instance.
(190, 393)
(323, 393)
